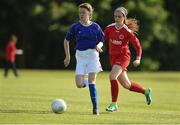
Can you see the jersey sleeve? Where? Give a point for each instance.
(100, 35)
(136, 43)
(71, 33)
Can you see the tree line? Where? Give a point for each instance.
(41, 25)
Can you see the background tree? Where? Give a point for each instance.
(41, 27)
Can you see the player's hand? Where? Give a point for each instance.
(136, 62)
(99, 49)
(66, 61)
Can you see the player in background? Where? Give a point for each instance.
(10, 56)
(89, 39)
(118, 35)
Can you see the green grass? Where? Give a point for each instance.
(28, 99)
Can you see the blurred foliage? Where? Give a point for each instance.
(41, 26)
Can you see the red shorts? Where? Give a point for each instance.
(121, 60)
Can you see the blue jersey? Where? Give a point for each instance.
(87, 37)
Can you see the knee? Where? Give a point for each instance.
(112, 76)
(79, 84)
(92, 78)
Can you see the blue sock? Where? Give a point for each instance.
(93, 94)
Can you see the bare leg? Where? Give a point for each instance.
(79, 81)
(124, 80)
(132, 86)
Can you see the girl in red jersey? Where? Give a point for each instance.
(118, 36)
(10, 56)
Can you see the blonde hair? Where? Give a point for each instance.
(122, 10)
(130, 22)
(88, 7)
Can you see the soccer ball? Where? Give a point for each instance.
(58, 106)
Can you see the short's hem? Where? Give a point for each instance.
(89, 72)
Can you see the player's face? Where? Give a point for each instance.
(84, 14)
(118, 17)
(14, 39)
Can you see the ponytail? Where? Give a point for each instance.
(132, 24)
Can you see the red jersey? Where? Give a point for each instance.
(10, 52)
(118, 40)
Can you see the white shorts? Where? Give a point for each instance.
(87, 62)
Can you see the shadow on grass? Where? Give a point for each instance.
(25, 111)
(105, 113)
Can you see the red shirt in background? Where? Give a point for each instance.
(10, 52)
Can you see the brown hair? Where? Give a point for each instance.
(13, 38)
(88, 7)
(132, 24)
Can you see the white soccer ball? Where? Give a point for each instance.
(58, 106)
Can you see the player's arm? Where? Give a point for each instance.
(135, 42)
(99, 47)
(66, 49)
(100, 37)
(69, 37)
(106, 36)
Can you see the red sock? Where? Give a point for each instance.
(114, 90)
(137, 88)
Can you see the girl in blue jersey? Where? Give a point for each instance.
(89, 38)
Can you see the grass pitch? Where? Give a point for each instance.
(28, 99)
